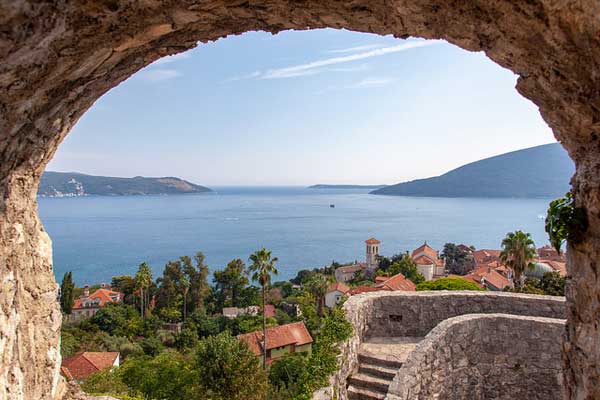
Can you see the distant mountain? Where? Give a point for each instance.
(541, 171)
(323, 186)
(72, 184)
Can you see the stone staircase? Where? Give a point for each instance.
(379, 359)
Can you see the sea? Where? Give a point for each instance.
(99, 237)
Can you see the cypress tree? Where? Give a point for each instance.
(66, 293)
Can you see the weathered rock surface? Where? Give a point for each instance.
(58, 57)
(415, 314)
(485, 356)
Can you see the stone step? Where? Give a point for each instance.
(378, 370)
(355, 393)
(366, 358)
(370, 382)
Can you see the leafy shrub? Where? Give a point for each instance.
(286, 372)
(228, 370)
(448, 284)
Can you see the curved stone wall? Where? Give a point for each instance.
(417, 313)
(485, 356)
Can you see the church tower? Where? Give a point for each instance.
(372, 253)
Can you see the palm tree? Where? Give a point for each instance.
(143, 279)
(518, 252)
(317, 286)
(262, 267)
(185, 285)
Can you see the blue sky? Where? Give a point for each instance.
(306, 107)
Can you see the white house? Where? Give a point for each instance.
(334, 294)
(428, 262)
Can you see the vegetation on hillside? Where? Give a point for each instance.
(205, 360)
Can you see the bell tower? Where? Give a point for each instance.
(372, 253)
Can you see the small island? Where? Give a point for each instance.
(73, 184)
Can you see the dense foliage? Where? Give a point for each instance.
(175, 343)
(551, 284)
(400, 263)
(453, 283)
(565, 221)
(457, 260)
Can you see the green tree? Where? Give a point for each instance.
(227, 370)
(317, 287)
(107, 381)
(406, 266)
(230, 283)
(518, 252)
(287, 372)
(127, 285)
(262, 267)
(553, 284)
(143, 280)
(185, 288)
(168, 376)
(66, 293)
(118, 320)
(457, 260)
(198, 277)
(448, 284)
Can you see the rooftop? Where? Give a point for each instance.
(278, 336)
(83, 364)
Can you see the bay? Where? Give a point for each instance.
(99, 237)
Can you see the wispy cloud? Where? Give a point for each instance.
(372, 82)
(316, 67)
(159, 75)
(171, 59)
(356, 48)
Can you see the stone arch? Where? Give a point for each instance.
(59, 57)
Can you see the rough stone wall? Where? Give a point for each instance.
(57, 57)
(415, 314)
(485, 356)
(420, 312)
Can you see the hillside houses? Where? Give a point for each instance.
(87, 305)
(281, 340)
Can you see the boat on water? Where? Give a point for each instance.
(332, 206)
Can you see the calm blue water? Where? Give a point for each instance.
(98, 237)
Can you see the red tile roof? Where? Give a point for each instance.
(372, 241)
(424, 260)
(486, 255)
(338, 286)
(488, 275)
(278, 336)
(397, 282)
(102, 295)
(428, 250)
(83, 364)
(381, 279)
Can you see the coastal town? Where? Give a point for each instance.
(136, 319)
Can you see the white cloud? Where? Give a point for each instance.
(356, 48)
(372, 82)
(159, 75)
(316, 67)
(171, 59)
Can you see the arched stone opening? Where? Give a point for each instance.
(59, 57)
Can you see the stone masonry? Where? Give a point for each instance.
(410, 314)
(485, 356)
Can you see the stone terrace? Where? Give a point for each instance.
(388, 325)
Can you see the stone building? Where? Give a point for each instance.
(429, 264)
(372, 253)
